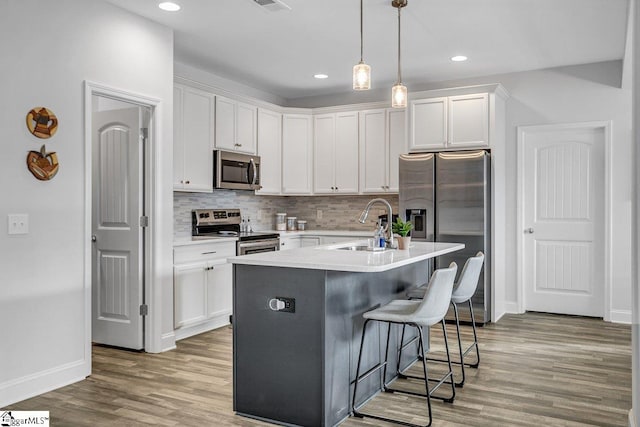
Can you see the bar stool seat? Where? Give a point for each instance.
(419, 314)
(462, 292)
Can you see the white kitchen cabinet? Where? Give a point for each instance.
(203, 285)
(287, 243)
(336, 153)
(382, 140)
(309, 241)
(450, 122)
(190, 284)
(297, 154)
(193, 133)
(270, 151)
(236, 126)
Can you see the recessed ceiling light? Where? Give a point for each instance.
(321, 76)
(169, 6)
(459, 58)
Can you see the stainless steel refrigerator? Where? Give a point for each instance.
(447, 196)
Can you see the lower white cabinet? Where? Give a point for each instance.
(287, 243)
(307, 241)
(202, 283)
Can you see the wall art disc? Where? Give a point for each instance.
(44, 166)
(42, 122)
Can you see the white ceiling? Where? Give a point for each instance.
(279, 52)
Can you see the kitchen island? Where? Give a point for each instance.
(297, 322)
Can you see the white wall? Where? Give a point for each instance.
(48, 50)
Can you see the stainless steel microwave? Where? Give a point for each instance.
(236, 171)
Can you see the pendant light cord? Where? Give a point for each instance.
(361, 34)
(399, 71)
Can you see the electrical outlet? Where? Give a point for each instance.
(18, 223)
(318, 214)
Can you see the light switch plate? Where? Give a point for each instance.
(318, 214)
(18, 223)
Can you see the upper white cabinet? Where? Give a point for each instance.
(336, 153)
(297, 152)
(452, 122)
(236, 126)
(193, 133)
(270, 151)
(382, 140)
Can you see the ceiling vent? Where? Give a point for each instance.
(272, 5)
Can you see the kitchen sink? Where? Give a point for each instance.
(360, 248)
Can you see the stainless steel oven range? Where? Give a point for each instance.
(218, 223)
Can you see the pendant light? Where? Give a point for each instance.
(361, 71)
(399, 91)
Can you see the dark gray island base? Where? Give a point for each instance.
(298, 368)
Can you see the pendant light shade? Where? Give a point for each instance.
(361, 71)
(361, 76)
(399, 91)
(399, 96)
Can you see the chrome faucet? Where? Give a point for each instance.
(365, 213)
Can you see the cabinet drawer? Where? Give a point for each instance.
(204, 252)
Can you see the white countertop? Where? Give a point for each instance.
(328, 257)
(187, 240)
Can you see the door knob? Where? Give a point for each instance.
(529, 230)
(94, 238)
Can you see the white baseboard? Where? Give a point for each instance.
(512, 307)
(215, 323)
(632, 419)
(168, 341)
(19, 389)
(620, 316)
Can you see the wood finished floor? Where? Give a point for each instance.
(537, 370)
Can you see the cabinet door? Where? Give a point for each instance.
(324, 159)
(197, 131)
(308, 241)
(346, 153)
(397, 135)
(246, 132)
(296, 154)
(290, 243)
(219, 289)
(269, 150)
(373, 151)
(189, 287)
(225, 124)
(469, 120)
(428, 124)
(178, 139)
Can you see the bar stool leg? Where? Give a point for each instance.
(450, 373)
(426, 375)
(355, 384)
(455, 312)
(475, 336)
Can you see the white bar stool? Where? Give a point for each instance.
(462, 292)
(420, 314)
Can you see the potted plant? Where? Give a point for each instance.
(402, 229)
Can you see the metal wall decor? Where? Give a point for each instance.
(42, 165)
(42, 122)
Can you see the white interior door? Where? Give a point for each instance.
(563, 217)
(117, 268)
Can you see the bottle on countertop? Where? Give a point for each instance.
(249, 229)
(243, 226)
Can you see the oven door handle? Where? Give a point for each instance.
(270, 242)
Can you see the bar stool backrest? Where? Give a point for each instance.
(435, 303)
(468, 282)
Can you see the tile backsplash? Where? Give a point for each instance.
(338, 212)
